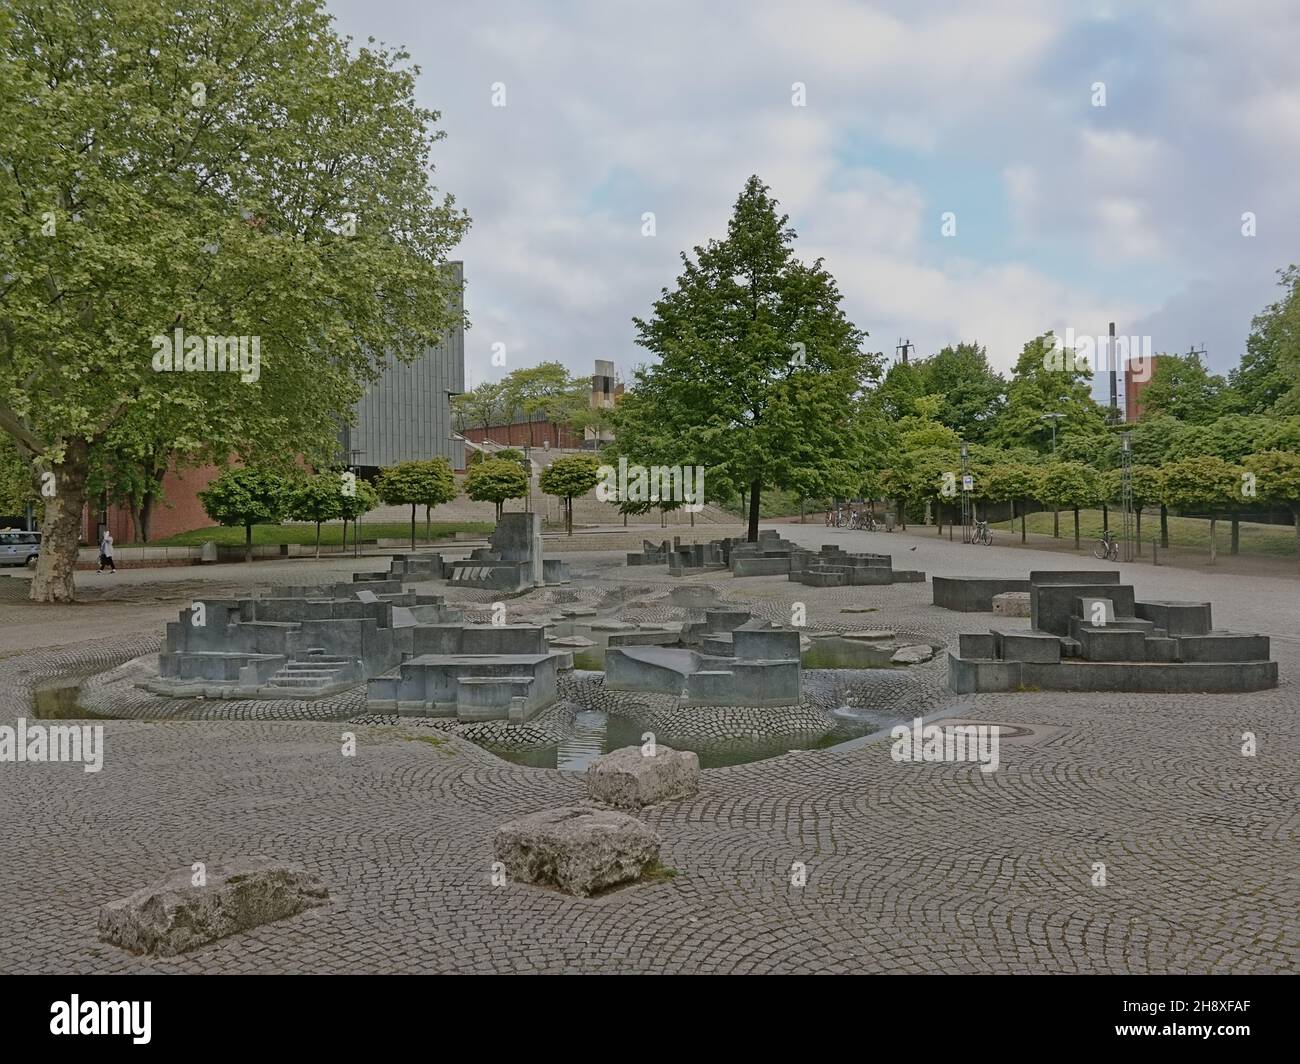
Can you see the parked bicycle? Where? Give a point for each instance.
(836, 519)
(862, 521)
(1107, 548)
(983, 534)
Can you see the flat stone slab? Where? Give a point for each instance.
(913, 654)
(869, 633)
(575, 850)
(173, 915)
(629, 779)
(1012, 604)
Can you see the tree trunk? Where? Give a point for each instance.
(1236, 533)
(147, 502)
(1022, 525)
(568, 514)
(901, 506)
(1164, 527)
(345, 535)
(1295, 516)
(318, 541)
(755, 493)
(1213, 546)
(1076, 528)
(1056, 524)
(412, 526)
(61, 527)
(1105, 518)
(248, 543)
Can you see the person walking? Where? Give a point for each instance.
(106, 552)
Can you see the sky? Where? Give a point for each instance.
(1068, 215)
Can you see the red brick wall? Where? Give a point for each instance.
(518, 435)
(179, 510)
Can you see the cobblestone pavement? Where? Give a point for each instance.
(910, 867)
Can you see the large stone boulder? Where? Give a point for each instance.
(629, 779)
(175, 915)
(576, 850)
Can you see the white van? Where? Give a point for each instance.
(19, 548)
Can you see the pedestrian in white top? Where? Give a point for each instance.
(106, 552)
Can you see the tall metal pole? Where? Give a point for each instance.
(1114, 393)
(965, 493)
(1126, 494)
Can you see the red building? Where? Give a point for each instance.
(1137, 375)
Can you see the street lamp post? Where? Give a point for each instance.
(1054, 417)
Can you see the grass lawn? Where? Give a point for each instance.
(1190, 532)
(331, 533)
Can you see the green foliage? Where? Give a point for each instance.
(481, 406)
(315, 498)
(362, 500)
(1144, 485)
(509, 454)
(247, 496)
(1047, 380)
(569, 477)
(1155, 439)
(425, 483)
(1268, 378)
(232, 169)
(1181, 387)
(1069, 485)
(17, 488)
(1277, 477)
(1010, 482)
(1204, 482)
(421, 483)
(760, 376)
(495, 481)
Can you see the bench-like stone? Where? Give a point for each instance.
(629, 779)
(1011, 604)
(174, 915)
(575, 850)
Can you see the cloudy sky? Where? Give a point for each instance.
(1067, 214)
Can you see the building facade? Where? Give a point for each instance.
(406, 415)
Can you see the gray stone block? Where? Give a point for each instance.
(629, 779)
(174, 915)
(575, 850)
(976, 645)
(971, 594)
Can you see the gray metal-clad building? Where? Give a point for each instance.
(406, 414)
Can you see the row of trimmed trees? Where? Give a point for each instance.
(1202, 483)
(249, 495)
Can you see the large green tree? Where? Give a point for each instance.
(760, 374)
(1268, 377)
(228, 170)
(1048, 379)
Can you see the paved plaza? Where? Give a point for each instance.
(909, 867)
